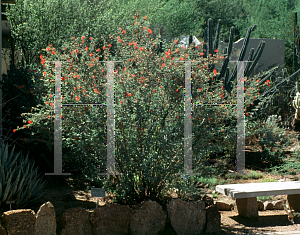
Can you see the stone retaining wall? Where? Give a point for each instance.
(181, 217)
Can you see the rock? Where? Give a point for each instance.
(45, 220)
(70, 201)
(19, 222)
(284, 180)
(268, 205)
(222, 206)
(278, 205)
(208, 200)
(75, 221)
(70, 197)
(283, 201)
(2, 230)
(112, 219)
(199, 185)
(149, 218)
(213, 219)
(260, 205)
(187, 217)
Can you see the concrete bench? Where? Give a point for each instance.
(245, 195)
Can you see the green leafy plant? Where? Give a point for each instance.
(19, 180)
(268, 180)
(19, 96)
(290, 165)
(264, 198)
(272, 138)
(254, 175)
(149, 91)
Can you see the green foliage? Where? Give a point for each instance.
(272, 139)
(211, 181)
(179, 18)
(19, 180)
(157, 137)
(148, 122)
(252, 175)
(264, 198)
(268, 180)
(18, 89)
(274, 19)
(19, 96)
(36, 24)
(290, 165)
(190, 17)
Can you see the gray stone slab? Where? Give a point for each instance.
(259, 189)
(273, 54)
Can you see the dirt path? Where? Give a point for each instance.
(268, 222)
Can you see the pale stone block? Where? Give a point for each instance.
(293, 201)
(247, 207)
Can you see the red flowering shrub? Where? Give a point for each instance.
(149, 111)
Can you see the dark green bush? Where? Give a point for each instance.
(19, 96)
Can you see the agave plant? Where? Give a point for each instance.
(19, 180)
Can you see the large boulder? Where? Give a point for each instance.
(45, 220)
(2, 231)
(19, 222)
(75, 221)
(213, 219)
(112, 219)
(148, 218)
(187, 217)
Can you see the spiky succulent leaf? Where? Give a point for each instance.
(19, 179)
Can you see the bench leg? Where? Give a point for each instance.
(293, 201)
(247, 207)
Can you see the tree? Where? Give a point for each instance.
(274, 19)
(190, 17)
